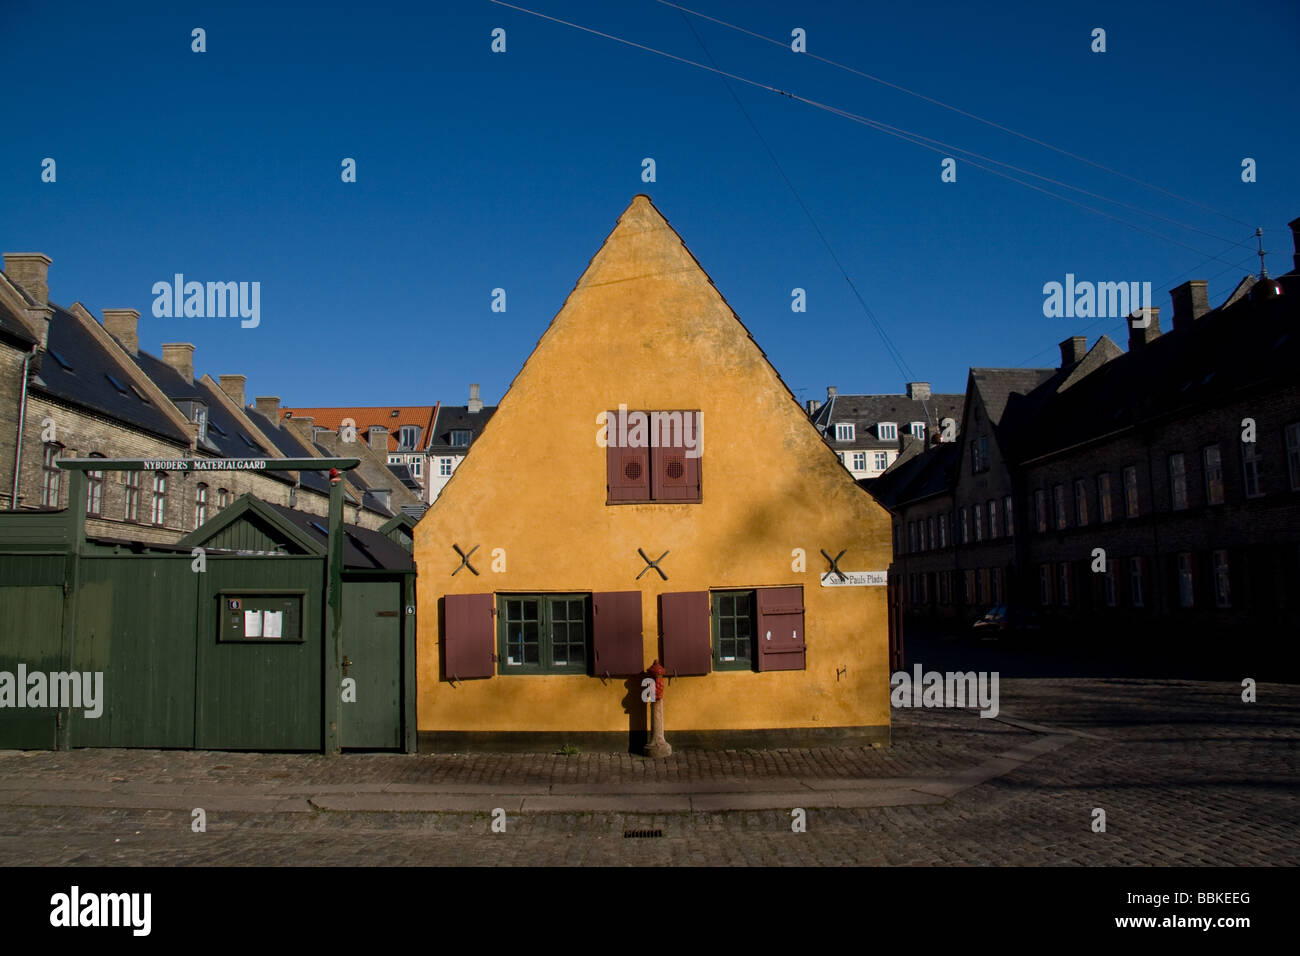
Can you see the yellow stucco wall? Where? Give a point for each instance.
(646, 328)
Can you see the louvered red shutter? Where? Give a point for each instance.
(468, 636)
(675, 467)
(616, 633)
(780, 629)
(684, 629)
(627, 470)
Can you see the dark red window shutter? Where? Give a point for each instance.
(675, 468)
(684, 628)
(627, 470)
(780, 629)
(616, 633)
(468, 637)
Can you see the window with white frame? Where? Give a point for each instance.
(408, 436)
(1058, 503)
(918, 430)
(444, 467)
(200, 504)
(993, 517)
(1178, 481)
(1186, 580)
(1222, 594)
(394, 459)
(1105, 507)
(223, 499)
(941, 526)
(95, 491)
(977, 513)
(1250, 469)
(159, 515)
(1131, 491)
(845, 431)
(1008, 516)
(417, 466)
(964, 521)
(882, 460)
(131, 496)
(934, 542)
(1212, 461)
(859, 461)
(887, 431)
(1292, 434)
(52, 478)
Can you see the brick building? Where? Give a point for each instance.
(1158, 482)
(73, 387)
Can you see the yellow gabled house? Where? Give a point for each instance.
(650, 488)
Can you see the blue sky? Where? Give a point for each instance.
(478, 170)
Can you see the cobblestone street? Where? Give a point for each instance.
(1186, 773)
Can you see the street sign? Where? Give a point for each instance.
(855, 579)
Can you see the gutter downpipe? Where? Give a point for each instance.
(22, 415)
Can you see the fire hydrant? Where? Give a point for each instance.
(658, 746)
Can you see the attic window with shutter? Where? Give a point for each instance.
(652, 456)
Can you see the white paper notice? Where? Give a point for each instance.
(271, 623)
(252, 624)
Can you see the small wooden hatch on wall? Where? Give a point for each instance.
(261, 617)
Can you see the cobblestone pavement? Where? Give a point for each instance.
(1186, 772)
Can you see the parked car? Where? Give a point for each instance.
(1007, 620)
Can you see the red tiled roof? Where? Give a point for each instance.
(391, 417)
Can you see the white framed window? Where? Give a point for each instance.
(882, 460)
(1008, 516)
(1250, 469)
(417, 466)
(1186, 581)
(859, 461)
(845, 431)
(1058, 504)
(977, 513)
(918, 430)
(408, 436)
(993, 518)
(930, 525)
(131, 498)
(52, 479)
(460, 437)
(887, 431)
(1178, 481)
(394, 459)
(964, 521)
(1292, 433)
(1222, 594)
(223, 498)
(1131, 491)
(1212, 462)
(1135, 581)
(200, 504)
(1105, 507)
(444, 467)
(159, 515)
(941, 526)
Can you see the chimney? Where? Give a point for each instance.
(180, 356)
(124, 325)
(30, 270)
(233, 386)
(1191, 301)
(377, 438)
(305, 424)
(831, 392)
(918, 391)
(812, 405)
(1138, 337)
(475, 403)
(268, 405)
(1295, 239)
(1073, 350)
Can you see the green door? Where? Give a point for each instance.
(371, 709)
(33, 618)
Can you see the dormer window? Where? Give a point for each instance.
(197, 412)
(845, 431)
(918, 430)
(887, 431)
(460, 437)
(408, 437)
